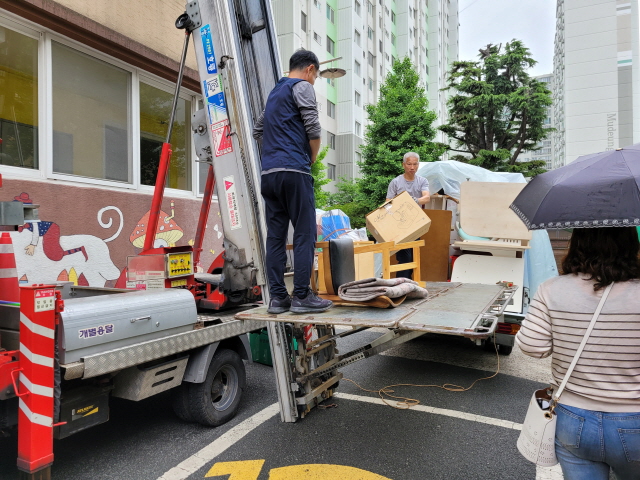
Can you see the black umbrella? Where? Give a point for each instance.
(598, 190)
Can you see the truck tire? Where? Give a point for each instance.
(216, 400)
(180, 402)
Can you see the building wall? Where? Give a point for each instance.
(369, 36)
(596, 42)
(63, 128)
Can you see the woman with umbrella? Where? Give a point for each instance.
(598, 412)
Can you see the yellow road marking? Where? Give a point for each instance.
(250, 470)
(246, 470)
(322, 472)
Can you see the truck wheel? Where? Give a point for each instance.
(505, 349)
(216, 400)
(180, 402)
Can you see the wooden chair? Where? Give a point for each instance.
(323, 282)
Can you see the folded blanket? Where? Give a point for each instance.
(370, 288)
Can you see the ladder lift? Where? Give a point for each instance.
(238, 63)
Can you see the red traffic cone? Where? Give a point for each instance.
(9, 291)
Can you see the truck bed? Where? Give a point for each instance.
(452, 308)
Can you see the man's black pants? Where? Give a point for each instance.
(405, 256)
(288, 196)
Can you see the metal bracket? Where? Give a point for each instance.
(193, 10)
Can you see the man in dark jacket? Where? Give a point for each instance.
(290, 132)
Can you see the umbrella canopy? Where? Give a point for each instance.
(598, 190)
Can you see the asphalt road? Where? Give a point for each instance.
(451, 435)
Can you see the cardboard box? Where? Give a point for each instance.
(398, 220)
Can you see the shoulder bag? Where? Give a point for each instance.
(537, 439)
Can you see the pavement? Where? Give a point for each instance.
(449, 435)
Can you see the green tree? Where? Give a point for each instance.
(400, 122)
(346, 199)
(497, 110)
(320, 178)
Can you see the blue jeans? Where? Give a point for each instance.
(588, 443)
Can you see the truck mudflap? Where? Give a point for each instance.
(465, 309)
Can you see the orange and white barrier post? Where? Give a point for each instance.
(38, 307)
(9, 292)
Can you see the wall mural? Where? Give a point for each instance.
(78, 236)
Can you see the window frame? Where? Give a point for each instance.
(45, 171)
(331, 43)
(331, 14)
(331, 140)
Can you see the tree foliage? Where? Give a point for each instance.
(400, 122)
(346, 199)
(320, 178)
(496, 109)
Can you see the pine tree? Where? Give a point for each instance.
(497, 110)
(400, 122)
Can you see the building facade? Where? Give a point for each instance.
(85, 98)
(545, 150)
(596, 89)
(366, 36)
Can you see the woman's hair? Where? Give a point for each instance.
(605, 254)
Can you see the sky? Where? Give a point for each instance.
(499, 21)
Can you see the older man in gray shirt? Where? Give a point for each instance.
(418, 188)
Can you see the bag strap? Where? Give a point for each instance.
(605, 294)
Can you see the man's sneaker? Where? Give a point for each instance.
(279, 305)
(310, 304)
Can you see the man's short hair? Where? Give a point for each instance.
(409, 155)
(302, 58)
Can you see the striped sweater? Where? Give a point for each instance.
(607, 375)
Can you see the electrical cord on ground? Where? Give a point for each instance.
(404, 403)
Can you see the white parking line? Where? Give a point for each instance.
(438, 411)
(198, 460)
(553, 473)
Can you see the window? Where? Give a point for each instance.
(93, 137)
(155, 109)
(380, 45)
(393, 17)
(331, 14)
(358, 129)
(356, 67)
(370, 84)
(380, 22)
(371, 58)
(370, 33)
(331, 171)
(369, 8)
(357, 7)
(331, 140)
(317, 4)
(357, 99)
(19, 100)
(303, 21)
(331, 46)
(356, 37)
(331, 81)
(331, 109)
(393, 39)
(358, 158)
(317, 38)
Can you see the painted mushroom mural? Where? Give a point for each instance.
(167, 233)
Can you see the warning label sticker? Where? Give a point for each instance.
(217, 108)
(221, 138)
(45, 300)
(232, 202)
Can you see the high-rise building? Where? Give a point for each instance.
(597, 81)
(366, 36)
(544, 147)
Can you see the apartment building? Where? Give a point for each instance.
(545, 147)
(596, 89)
(366, 36)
